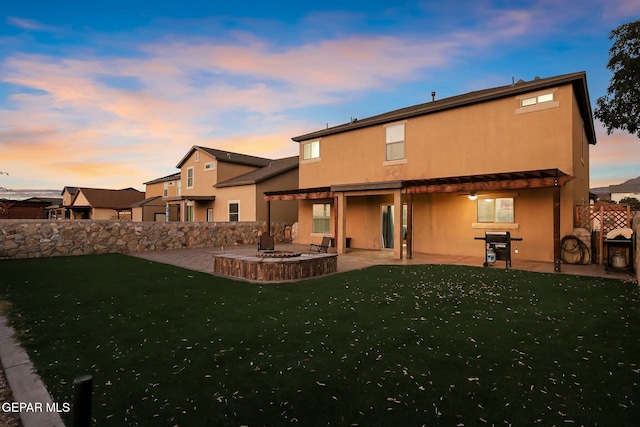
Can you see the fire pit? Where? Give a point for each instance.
(277, 254)
(274, 266)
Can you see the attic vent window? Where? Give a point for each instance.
(533, 100)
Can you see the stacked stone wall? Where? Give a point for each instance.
(47, 238)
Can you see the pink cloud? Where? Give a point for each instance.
(614, 159)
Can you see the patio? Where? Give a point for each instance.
(355, 259)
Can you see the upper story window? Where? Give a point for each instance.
(395, 142)
(197, 156)
(533, 100)
(165, 192)
(179, 188)
(311, 150)
(210, 166)
(190, 178)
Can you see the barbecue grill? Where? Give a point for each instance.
(621, 241)
(498, 247)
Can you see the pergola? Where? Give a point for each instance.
(543, 178)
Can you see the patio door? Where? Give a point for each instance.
(388, 225)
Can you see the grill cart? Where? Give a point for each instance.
(498, 247)
(621, 240)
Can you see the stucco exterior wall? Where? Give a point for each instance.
(286, 210)
(37, 238)
(245, 195)
(497, 136)
(203, 181)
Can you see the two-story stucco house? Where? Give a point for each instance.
(432, 177)
(218, 185)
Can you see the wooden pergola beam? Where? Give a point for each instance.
(512, 184)
(302, 196)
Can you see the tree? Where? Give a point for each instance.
(3, 188)
(620, 107)
(631, 201)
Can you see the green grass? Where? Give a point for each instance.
(432, 345)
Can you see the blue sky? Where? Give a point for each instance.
(112, 94)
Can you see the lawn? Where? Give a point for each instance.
(401, 345)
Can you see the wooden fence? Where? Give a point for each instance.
(602, 218)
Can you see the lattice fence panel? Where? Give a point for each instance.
(604, 218)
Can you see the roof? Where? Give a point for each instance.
(578, 80)
(624, 188)
(147, 201)
(275, 168)
(111, 199)
(70, 190)
(228, 157)
(171, 177)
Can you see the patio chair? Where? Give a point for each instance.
(266, 243)
(322, 247)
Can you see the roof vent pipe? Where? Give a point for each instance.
(433, 96)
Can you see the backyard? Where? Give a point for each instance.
(386, 345)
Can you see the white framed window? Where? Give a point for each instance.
(234, 211)
(190, 177)
(165, 192)
(538, 99)
(189, 213)
(197, 156)
(321, 218)
(498, 210)
(395, 142)
(311, 150)
(209, 214)
(210, 166)
(179, 188)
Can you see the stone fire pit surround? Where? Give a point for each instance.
(277, 268)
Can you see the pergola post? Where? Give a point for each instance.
(556, 229)
(342, 224)
(409, 200)
(397, 224)
(269, 217)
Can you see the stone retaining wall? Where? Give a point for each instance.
(46, 238)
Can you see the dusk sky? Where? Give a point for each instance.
(111, 94)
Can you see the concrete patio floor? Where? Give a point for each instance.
(355, 259)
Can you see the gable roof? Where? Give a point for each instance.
(110, 199)
(578, 80)
(275, 168)
(171, 177)
(228, 157)
(71, 190)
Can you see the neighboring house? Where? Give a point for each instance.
(629, 189)
(432, 177)
(217, 185)
(62, 210)
(99, 203)
(155, 207)
(32, 208)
